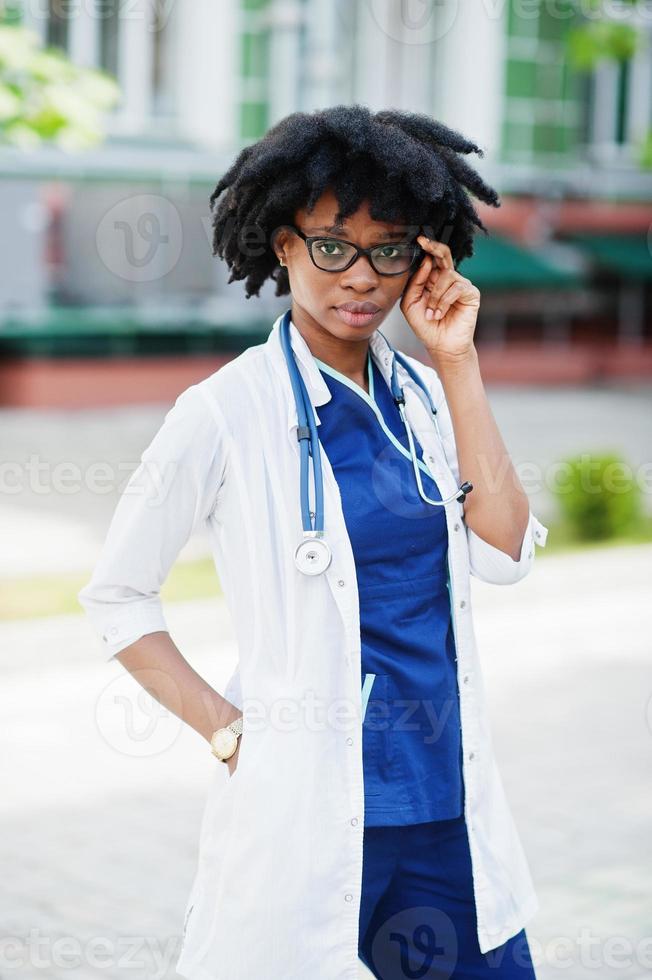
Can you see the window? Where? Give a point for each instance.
(108, 13)
(254, 69)
(544, 98)
(619, 104)
(58, 19)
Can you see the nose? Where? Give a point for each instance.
(360, 276)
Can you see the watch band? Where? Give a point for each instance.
(236, 726)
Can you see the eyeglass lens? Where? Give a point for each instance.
(332, 255)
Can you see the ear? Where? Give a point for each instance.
(278, 240)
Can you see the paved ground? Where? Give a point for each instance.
(98, 835)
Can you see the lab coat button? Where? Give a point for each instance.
(354, 821)
(462, 603)
(348, 897)
(340, 582)
(114, 630)
(529, 554)
(105, 638)
(471, 755)
(349, 741)
(466, 678)
(456, 527)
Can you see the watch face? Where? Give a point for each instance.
(224, 741)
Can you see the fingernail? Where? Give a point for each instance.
(437, 313)
(429, 314)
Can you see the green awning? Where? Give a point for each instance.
(499, 263)
(125, 331)
(625, 255)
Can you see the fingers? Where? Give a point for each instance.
(441, 299)
(418, 281)
(440, 287)
(440, 252)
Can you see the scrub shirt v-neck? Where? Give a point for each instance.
(412, 751)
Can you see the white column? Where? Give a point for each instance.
(371, 55)
(206, 49)
(640, 93)
(284, 19)
(83, 45)
(135, 64)
(325, 57)
(604, 106)
(473, 39)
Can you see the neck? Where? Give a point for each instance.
(349, 357)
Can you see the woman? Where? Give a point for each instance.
(356, 808)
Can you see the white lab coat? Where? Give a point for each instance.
(278, 882)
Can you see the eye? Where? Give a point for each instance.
(391, 251)
(329, 246)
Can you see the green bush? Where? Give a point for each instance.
(598, 496)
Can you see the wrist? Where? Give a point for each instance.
(455, 363)
(219, 719)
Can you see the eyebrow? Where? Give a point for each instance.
(339, 230)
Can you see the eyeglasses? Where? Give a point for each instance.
(336, 254)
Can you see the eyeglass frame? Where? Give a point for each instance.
(309, 239)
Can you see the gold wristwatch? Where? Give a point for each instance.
(224, 741)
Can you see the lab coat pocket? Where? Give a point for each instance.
(244, 751)
(381, 760)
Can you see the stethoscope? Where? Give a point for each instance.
(313, 554)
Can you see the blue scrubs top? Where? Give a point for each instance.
(412, 751)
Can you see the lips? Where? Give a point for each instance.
(358, 307)
(357, 314)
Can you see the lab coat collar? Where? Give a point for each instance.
(318, 391)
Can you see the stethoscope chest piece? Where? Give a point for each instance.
(312, 556)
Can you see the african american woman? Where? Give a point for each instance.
(348, 491)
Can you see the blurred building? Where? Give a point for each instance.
(106, 254)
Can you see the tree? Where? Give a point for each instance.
(602, 37)
(44, 97)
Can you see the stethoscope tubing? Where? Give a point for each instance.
(308, 440)
(310, 446)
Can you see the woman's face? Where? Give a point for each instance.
(316, 293)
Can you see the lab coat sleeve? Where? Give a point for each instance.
(172, 492)
(486, 562)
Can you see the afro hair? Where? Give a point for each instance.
(407, 165)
